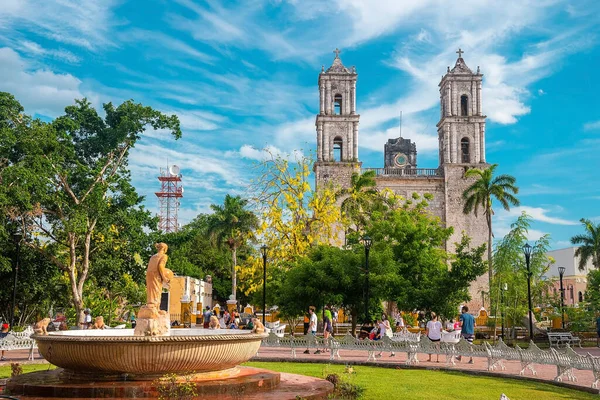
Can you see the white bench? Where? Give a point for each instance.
(19, 341)
(563, 338)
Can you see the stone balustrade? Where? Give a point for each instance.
(406, 172)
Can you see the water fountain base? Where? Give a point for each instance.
(244, 383)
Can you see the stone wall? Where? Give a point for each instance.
(406, 186)
(338, 174)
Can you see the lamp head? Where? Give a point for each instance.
(561, 271)
(264, 249)
(527, 249)
(367, 242)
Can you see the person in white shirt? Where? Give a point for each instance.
(312, 326)
(434, 332)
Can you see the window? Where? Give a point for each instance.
(337, 149)
(464, 150)
(337, 104)
(571, 293)
(580, 295)
(464, 105)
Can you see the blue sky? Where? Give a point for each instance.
(243, 76)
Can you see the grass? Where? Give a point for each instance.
(5, 370)
(385, 383)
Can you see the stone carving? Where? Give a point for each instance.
(41, 327)
(258, 326)
(99, 323)
(152, 321)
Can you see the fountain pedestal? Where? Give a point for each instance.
(152, 322)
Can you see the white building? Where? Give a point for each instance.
(574, 279)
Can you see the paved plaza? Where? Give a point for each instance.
(479, 367)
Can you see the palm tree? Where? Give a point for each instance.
(231, 225)
(358, 196)
(480, 194)
(590, 244)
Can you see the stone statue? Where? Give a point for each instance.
(152, 321)
(157, 275)
(258, 326)
(41, 327)
(99, 323)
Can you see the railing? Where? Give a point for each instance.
(566, 360)
(406, 172)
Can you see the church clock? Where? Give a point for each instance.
(400, 160)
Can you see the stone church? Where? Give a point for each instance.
(461, 136)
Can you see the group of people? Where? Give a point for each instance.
(222, 320)
(466, 325)
(311, 322)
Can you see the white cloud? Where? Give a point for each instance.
(40, 91)
(536, 213)
(591, 126)
(34, 49)
(84, 23)
(166, 43)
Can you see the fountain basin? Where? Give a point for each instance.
(118, 353)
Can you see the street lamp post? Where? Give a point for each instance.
(367, 242)
(17, 237)
(561, 273)
(527, 249)
(263, 249)
(503, 289)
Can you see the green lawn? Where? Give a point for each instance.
(5, 371)
(385, 383)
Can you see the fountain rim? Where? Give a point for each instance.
(151, 339)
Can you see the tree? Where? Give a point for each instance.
(232, 224)
(293, 217)
(358, 198)
(69, 183)
(589, 244)
(510, 269)
(481, 194)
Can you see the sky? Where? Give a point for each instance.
(242, 76)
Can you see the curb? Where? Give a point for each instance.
(442, 369)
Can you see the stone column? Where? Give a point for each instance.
(476, 145)
(479, 98)
(353, 111)
(320, 142)
(453, 146)
(473, 99)
(455, 109)
(322, 98)
(482, 142)
(328, 100)
(448, 100)
(349, 144)
(326, 152)
(446, 146)
(355, 140)
(346, 101)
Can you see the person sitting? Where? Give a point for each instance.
(214, 323)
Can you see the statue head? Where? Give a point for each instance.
(161, 247)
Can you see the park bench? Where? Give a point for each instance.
(563, 338)
(19, 341)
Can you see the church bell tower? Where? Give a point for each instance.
(337, 126)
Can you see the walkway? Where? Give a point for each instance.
(479, 367)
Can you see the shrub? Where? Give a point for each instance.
(169, 387)
(15, 369)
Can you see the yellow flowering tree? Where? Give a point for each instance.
(293, 216)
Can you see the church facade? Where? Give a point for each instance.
(461, 137)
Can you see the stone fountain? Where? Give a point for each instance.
(128, 363)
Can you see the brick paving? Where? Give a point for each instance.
(545, 373)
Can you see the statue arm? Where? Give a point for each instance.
(162, 269)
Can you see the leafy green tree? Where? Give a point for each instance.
(358, 198)
(74, 187)
(481, 194)
(232, 224)
(589, 244)
(510, 269)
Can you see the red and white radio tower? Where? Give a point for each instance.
(168, 198)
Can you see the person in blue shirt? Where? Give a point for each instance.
(467, 326)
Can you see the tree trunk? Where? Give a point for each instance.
(354, 322)
(234, 273)
(489, 221)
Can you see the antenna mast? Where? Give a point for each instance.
(171, 191)
(400, 123)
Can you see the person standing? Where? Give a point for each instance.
(312, 326)
(206, 317)
(4, 334)
(467, 326)
(327, 327)
(434, 333)
(306, 323)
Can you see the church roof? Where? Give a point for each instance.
(461, 67)
(337, 66)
